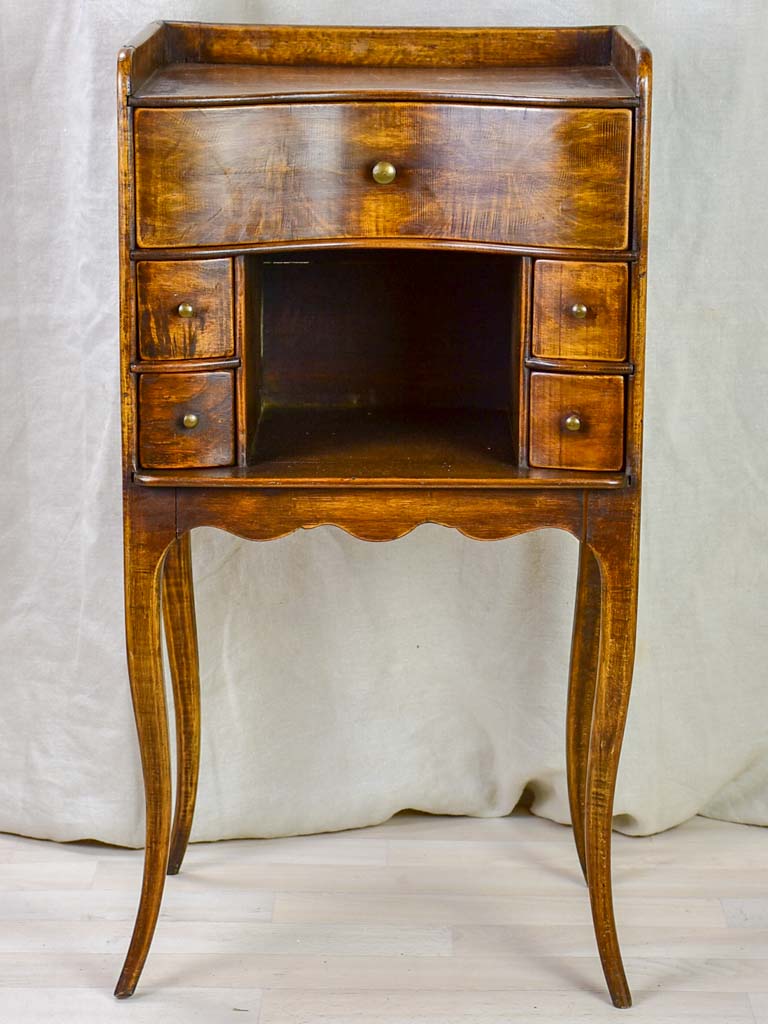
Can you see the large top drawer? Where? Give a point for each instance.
(527, 176)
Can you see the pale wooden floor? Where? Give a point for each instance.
(419, 920)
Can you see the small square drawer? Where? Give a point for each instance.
(577, 421)
(186, 420)
(185, 309)
(580, 310)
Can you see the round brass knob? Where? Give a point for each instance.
(572, 422)
(191, 419)
(384, 172)
(579, 310)
(185, 309)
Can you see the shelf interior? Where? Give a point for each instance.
(407, 444)
(384, 364)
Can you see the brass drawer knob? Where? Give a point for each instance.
(572, 422)
(185, 309)
(579, 310)
(384, 172)
(191, 419)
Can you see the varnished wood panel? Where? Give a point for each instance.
(206, 285)
(294, 477)
(602, 288)
(599, 404)
(379, 514)
(164, 400)
(514, 175)
(239, 84)
(400, 46)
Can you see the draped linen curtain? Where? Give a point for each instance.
(343, 681)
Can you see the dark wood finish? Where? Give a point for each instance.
(521, 341)
(413, 329)
(291, 475)
(184, 365)
(402, 243)
(383, 387)
(500, 174)
(598, 402)
(404, 444)
(181, 85)
(591, 366)
(402, 47)
(164, 400)
(248, 299)
(380, 514)
(181, 642)
(602, 332)
(206, 285)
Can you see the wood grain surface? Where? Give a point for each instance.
(599, 404)
(241, 84)
(281, 159)
(388, 46)
(206, 285)
(164, 400)
(380, 514)
(535, 176)
(181, 643)
(602, 288)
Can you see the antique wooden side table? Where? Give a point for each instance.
(379, 277)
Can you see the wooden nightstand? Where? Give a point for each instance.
(376, 278)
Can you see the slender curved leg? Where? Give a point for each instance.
(585, 647)
(181, 641)
(615, 544)
(149, 529)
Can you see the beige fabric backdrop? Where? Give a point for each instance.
(343, 681)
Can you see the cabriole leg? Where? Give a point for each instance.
(149, 528)
(614, 540)
(585, 647)
(181, 641)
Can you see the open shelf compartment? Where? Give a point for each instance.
(384, 364)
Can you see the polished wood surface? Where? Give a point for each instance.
(423, 374)
(393, 46)
(506, 174)
(149, 530)
(206, 286)
(380, 514)
(292, 474)
(597, 402)
(561, 328)
(165, 399)
(181, 643)
(585, 653)
(240, 84)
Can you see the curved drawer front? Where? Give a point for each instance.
(514, 175)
